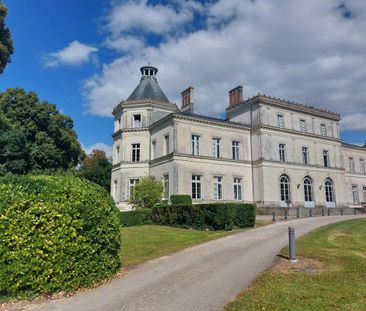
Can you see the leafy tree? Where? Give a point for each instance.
(97, 168)
(38, 134)
(147, 193)
(6, 43)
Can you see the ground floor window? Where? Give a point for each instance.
(356, 199)
(218, 188)
(364, 194)
(237, 189)
(196, 187)
(131, 185)
(115, 189)
(329, 190)
(308, 189)
(166, 186)
(285, 188)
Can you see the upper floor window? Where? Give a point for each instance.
(235, 150)
(153, 149)
(196, 187)
(302, 125)
(218, 188)
(326, 158)
(195, 144)
(362, 167)
(323, 130)
(136, 121)
(216, 152)
(280, 121)
(356, 199)
(116, 158)
(135, 152)
(282, 152)
(237, 189)
(351, 163)
(305, 155)
(166, 144)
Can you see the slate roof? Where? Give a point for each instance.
(148, 88)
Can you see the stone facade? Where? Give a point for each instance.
(269, 151)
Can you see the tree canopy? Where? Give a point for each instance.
(97, 168)
(36, 135)
(6, 43)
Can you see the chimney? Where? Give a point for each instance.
(235, 96)
(187, 100)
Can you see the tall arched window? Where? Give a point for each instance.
(329, 190)
(285, 188)
(308, 189)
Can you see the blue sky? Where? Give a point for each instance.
(84, 56)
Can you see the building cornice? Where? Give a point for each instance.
(142, 103)
(131, 130)
(351, 146)
(299, 165)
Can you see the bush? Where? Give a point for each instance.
(181, 199)
(135, 218)
(216, 216)
(147, 193)
(58, 233)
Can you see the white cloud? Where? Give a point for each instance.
(125, 44)
(100, 146)
(354, 122)
(74, 54)
(301, 51)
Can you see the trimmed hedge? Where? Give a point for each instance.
(135, 218)
(215, 216)
(181, 199)
(58, 233)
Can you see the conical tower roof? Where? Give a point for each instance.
(148, 88)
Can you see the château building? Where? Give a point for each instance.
(269, 151)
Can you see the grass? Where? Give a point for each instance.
(341, 249)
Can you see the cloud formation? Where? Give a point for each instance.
(74, 54)
(100, 146)
(306, 52)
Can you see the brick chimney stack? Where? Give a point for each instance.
(187, 100)
(235, 96)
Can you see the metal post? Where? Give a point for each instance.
(285, 214)
(328, 211)
(291, 244)
(273, 216)
(323, 213)
(310, 213)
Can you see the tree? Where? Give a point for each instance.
(97, 168)
(44, 137)
(6, 43)
(147, 193)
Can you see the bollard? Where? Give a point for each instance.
(341, 211)
(328, 212)
(298, 213)
(273, 216)
(291, 244)
(323, 212)
(310, 213)
(285, 214)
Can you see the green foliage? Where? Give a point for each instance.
(181, 199)
(6, 43)
(136, 218)
(58, 233)
(37, 136)
(97, 168)
(216, 216)
(147, 193)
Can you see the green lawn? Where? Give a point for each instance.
(341, 249)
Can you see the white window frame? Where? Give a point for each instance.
(305, 155)
(323, 129)
(238, 189)
(285, 188)
(216, 147)
(217, 188)
(166, 186)
(355, 195)
(351, 163)
(303, 126)
(135, 152)
(280, 120)
(362, 167)
(364, 194)
(195, 143)
(308, 189)
(196, 187)
(282, 152)
(326, 160)
(235, 150)
(132, 182)
(329, 190)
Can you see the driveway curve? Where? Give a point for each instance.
(203, 277)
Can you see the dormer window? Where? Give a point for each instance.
(136, 120)
(323, 130)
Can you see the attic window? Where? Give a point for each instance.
(136, 120)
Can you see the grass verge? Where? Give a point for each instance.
(340, 249)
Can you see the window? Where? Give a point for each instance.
(136, 120)
(216, 147)
(131, 185)
(119, 123)
(326, 158)
(362, 167)
(356, 199)
(329, 190)
(153, 149)
(115, 189)
(237, 189)
(351, 163)
(235, 150)
(166, 144)
(218, 188)
(282, 152)
(364, 194)
(308, 189)
(302, 125)
(195, 144)
(280, 121)
(305, 155)
(323, 130)
(116, 158)
(135, 152)
(166, 186)
(285, 188)
(196, 187)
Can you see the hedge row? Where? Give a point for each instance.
(58, 233)
(181, 199)
(214, 216)
(136, 218)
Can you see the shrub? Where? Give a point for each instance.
(216, 216)
(147, 193)
(58, 233)
(135, 218)
(181, 199)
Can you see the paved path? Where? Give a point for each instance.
(201, 278)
